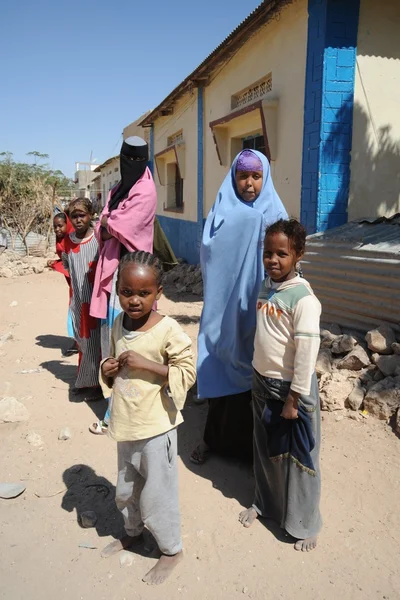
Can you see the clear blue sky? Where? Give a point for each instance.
(73, 74)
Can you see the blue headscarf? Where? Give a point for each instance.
(232, 267)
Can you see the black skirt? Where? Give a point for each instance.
(229, 426)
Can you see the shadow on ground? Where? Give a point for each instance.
(54, 341)
(232, 477)
(88, 491)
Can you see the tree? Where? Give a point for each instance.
(28, 193)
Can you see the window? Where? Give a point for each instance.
(174, 187)
(255, 142)
(253, 93)
(176, 138)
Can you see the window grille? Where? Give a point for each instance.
(176, 138)
(253, 93)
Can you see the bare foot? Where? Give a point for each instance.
(248, 516)
(306, 545)
(163, 569)
(123, 544)
(200, 454)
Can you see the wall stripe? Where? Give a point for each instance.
(151, 161)
(200, 165)
(328, 112)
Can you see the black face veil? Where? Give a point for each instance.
(133, 162)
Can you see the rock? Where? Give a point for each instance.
(343, 344)
(397, 371)
(396, 347)
(87, 545)
(374, 357)
(327, 338)
(334, 391)
(356, 398)
(397, 422)
(126, 559)
(190, 279)
(388, 364)
(355, 360)
(37, 269)
(12, 411)
(34, 439)
(65, 434)
(6, 272)
(11, 490)
(4, 338)
(333, 328)
(378, 376)
(181, 289)
(13, 303)
(198, 289)
(88, 518)
(383, 399)
(381, 339)
(324, 362)
(354, 416)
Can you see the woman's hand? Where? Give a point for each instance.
(104, 221)
(105, 235)
(290, 408)
(110, 367)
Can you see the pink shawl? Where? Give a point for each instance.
(132, 225)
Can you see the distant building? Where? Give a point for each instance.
(107, 175)
(84, 176)
(136, 129)
(315, 85)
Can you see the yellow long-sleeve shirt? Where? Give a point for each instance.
(143, 403)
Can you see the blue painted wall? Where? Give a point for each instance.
(185, 236)
(200, 167)
(182, 236)
(328, 112)
(151, 161)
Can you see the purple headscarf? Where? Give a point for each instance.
(248, 161)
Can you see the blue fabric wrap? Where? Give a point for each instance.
(232, 268)
(289, 438)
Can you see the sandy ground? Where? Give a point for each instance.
(358, 555)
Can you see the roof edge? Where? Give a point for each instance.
(253, 22)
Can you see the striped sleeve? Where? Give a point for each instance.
(307, 340)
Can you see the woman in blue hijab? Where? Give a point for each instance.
(232, 267)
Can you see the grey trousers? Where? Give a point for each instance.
(147, 489)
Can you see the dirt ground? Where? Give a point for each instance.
(40, 537)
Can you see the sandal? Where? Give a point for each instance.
(200, 455)
(99, 428)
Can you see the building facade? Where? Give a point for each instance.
(314, 84)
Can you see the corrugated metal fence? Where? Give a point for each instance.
(37, 243)
(355, 272)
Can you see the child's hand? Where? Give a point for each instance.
(132, 359)
(50, 263)
(110, 367)
(289, 410)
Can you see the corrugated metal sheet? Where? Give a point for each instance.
(355, 272)
(37, 244)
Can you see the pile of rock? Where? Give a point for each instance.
(13, 264)
(360, 373)
(185, 279)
